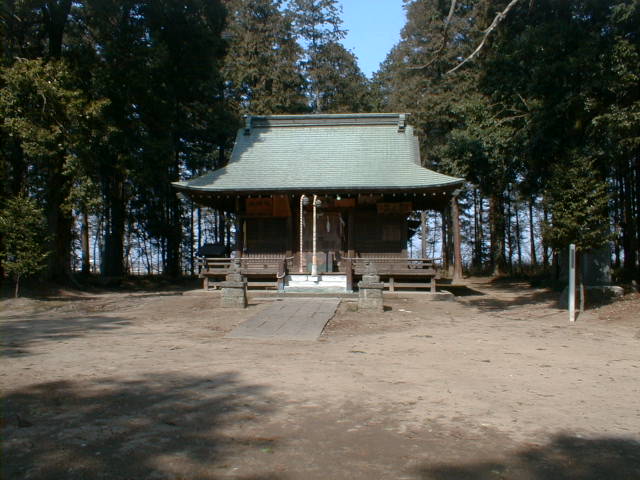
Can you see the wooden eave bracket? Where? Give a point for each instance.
(402, 122)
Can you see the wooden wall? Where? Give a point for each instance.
(380, 233)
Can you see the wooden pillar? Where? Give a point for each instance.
(290, 234)
(351, 234)
(302, 263)
(239, 234)
(455, 224)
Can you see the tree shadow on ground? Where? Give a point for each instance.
(17, 335)
(532, 297)
(461, 290)
(163, 426)
(564, 458)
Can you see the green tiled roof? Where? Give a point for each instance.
(315, 153)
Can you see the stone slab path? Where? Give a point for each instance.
(289, 319)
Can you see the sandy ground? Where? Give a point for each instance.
(492, 385)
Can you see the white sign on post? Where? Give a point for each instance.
(572, 283)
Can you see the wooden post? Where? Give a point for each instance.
(351, 252)
(289, 243)
(457, 253)
(239, 235)
(349, 271)
(302, 262)
(282, 272)
(314, 254)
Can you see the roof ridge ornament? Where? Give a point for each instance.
(247, 124)
(402, 122)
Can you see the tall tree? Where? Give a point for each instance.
(115, 35)
(341, 85)
(263, 72)
(317, 23)
(185, 91)
(46, 114)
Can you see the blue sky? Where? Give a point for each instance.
(374, 28)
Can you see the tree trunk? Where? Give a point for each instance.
(496, 219)
(221, 229)
(56, 14)
(579, 282)
(113, 255)
(545, 248)
(84, 241)
(192, 265)
(532, 235)
(174, 234)
(457, 240)
(629, 241)
(423, 234)
(59, 222)
(637, 213)
(16, 292)
(518, 235)
(97, 240)
(446, 263)
(508, 233)
(1, 265)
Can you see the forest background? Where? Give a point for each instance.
(104, 103)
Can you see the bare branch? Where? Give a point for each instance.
(445, 37)
(448, 20)
(499, 17)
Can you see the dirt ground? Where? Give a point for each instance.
(492, 385)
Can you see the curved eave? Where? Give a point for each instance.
(449, 186)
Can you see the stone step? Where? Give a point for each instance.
(323, 282)
(321, 278)
(315, 289)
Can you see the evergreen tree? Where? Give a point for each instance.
(317, 23)
(341, 85)
(46, 115)
(23, 231)
(263, 69)
(578, 201)
(184, 90)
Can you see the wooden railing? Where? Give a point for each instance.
(271, 270)
(394, 268)
(254, 268)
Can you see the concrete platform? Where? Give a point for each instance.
(289, 319)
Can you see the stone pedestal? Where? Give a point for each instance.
(234, 288)
(370, 291)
